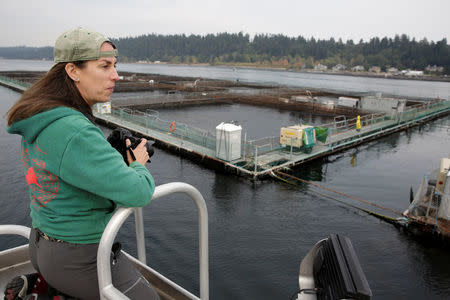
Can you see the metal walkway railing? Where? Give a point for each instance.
(107, 290)
(16, 230)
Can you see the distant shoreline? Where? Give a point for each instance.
(345, 73)
(311, 71)
(384, 75)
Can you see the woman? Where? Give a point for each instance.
(76, 178)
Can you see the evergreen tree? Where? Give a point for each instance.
(267, 49)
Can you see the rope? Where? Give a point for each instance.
(380, 216)
(339, 193)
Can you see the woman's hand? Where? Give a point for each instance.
(140, 152)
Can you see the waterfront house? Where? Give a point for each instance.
(375, 69)
(320, 67)
(434, 69)
(358, 68)
(339, 67)
(412, 73)
(393, 71)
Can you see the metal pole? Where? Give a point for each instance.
(107, 290)
(245, 142)
(140, 237)
(290, 155)
(256, 158)
(196, 196)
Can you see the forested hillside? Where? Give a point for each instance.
(271, 50)
(23, 52)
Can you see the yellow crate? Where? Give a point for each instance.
(292, 135)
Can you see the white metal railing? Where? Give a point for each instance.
(107, 290)
(15, 229)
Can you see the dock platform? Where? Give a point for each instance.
(262, 157)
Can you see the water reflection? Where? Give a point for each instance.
(312, 171)
(227, 192)
(353, 160)
(430, 262)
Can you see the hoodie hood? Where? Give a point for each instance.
(30, 128)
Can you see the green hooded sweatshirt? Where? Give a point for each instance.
(76, 177)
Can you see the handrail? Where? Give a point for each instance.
(107, 290)
(15, 229)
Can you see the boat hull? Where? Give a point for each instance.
(426, 231)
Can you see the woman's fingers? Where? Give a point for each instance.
(143, 143)
(129, 158)
(140, 152)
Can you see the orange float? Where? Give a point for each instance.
(172, 126)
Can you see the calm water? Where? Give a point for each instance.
(259, 232)
(406, 88)
(256, 122)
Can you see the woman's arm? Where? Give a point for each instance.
(92, 164)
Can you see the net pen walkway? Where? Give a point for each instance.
(260, 158)
(165, 137)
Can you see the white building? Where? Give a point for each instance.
(320, 67)
(393, 71)
(358, 69)
(339, 67)
(378, 103)
(375, 69)
(412, 73)
(434, 69)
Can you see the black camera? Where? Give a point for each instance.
(117, 140)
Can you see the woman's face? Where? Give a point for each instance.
(96, 80)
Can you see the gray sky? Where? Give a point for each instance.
(40, 22)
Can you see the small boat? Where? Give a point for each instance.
(428, 214)
(330, 270)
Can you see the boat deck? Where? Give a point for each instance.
(15, 262)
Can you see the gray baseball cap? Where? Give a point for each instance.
(81, 44)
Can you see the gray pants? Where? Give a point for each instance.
(72, 269)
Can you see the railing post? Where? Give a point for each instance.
(290, 154)
(256, 158)
(107, 290)
(245, 144)
(140, 237)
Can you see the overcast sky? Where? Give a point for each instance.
(40, 22)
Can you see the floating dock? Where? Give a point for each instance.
(260, 158)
